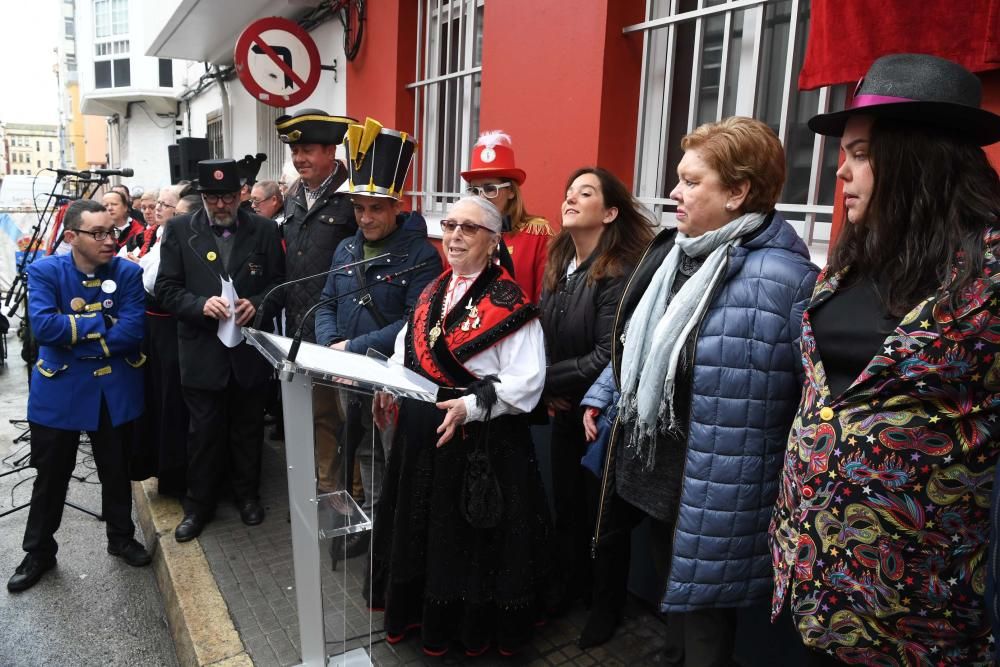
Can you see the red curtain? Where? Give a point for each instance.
(845, 36)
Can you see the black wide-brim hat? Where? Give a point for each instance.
(218, 176)
(312, 126)
(918, 88)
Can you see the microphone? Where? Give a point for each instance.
(124, 171)
(62, 173)
(293, 350)
(260, 308)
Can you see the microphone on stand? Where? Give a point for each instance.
(124, 171)
(293, 350)
(260, 308)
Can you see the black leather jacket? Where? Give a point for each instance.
(578, 319)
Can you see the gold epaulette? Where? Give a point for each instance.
(536, 226)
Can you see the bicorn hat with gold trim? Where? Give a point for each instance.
(312, 126)
(378, 159)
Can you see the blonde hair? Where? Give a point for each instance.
(743, 149)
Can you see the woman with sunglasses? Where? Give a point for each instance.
(604, 231)
(493, 175)
(461, 565)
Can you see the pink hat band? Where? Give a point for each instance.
(862, 101)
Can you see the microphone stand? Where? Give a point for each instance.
(260, 309)
(293, 350)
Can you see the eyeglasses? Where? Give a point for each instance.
(164, 204)
(101, 234)
(490, 190)
(227, 198)
(467, 228)
(257, 202)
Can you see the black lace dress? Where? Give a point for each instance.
(434, 571)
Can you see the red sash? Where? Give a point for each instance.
(437, 346)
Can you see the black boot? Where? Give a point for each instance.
(600, 627)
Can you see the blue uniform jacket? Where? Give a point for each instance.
(80, 360)
(347, 317)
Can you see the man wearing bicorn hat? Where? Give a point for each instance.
(880, 537)
(366, 305)
(317, 219)
(223, 379)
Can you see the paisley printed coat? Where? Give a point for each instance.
(880, 533)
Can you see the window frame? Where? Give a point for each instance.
(114, 45)
(659, 82)
(446, 95)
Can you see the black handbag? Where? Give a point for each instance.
(481, 499)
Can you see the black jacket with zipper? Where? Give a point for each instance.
(578, 318)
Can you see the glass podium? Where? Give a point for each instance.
(335, 624)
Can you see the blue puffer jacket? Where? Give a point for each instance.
(347, 317)
(745, 389)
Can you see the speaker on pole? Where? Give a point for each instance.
(184, 157)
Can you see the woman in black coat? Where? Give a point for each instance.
(604, 231)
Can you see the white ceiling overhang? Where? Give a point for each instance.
(111, 101)
(207, 30)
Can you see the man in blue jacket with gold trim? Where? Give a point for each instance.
(86, 310)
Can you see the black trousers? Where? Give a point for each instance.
(166, 414)
(575, 496)
(226, 433)
(53, 455)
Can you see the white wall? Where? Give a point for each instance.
(330, 95)
(144, 149)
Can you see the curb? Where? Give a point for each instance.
(197, 615)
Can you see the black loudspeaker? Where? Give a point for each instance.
(184, 157)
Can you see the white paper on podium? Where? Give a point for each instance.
(363, 372)
(229, 333)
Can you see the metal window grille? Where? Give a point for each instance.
(449, 74)
(268, 142)
(704, 60)
(213, 132)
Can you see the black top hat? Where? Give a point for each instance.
(249, 167)
(378, 159)
(921, 88)
(312, 126)
(218, 176)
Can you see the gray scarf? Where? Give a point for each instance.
(656, 333)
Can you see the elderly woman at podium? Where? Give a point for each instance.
(460, 536)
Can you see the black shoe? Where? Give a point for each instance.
(356, 545)
(600, 627)
(251, 512)
(189, 528)
(131, 552)
(29, 572)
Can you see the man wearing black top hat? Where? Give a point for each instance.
(224, 382)
(317, 219)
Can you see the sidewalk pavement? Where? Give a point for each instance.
(92, 609)
(230, 596)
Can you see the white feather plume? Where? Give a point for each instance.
(493, 138)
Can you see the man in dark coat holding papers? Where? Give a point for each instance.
(216, 265)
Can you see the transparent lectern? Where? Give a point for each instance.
(337, 516)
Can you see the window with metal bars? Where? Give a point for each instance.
(449, 67)
(704, 60)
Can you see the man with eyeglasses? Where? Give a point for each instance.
(87, 312)
(224, 387)
(266, 199)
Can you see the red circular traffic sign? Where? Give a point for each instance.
(277, 61)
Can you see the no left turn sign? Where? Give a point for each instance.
(277, 61)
